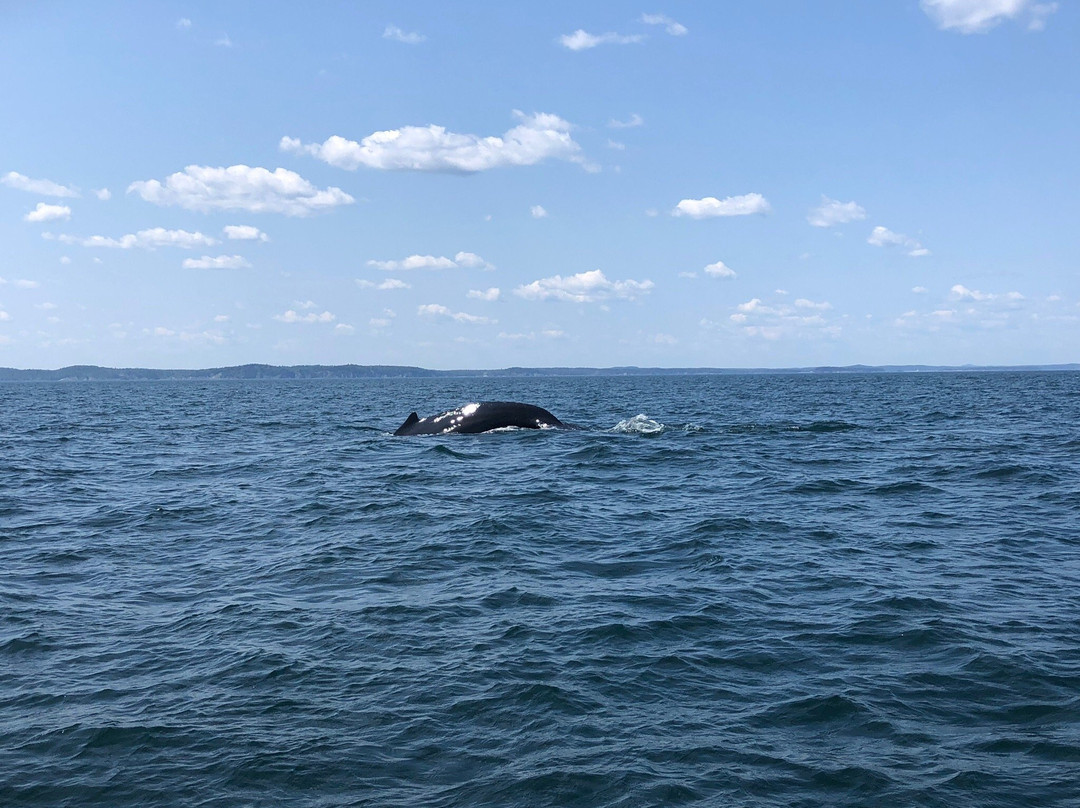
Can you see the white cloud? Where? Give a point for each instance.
(480, 294)
(582, 40)
(672, 27)
(240, 187)
(379, 322)
(538, 212)
(831, 212)
(183, 23)
(471, 261)
(306, 304)
(104, 194)
(223, 41)
(65, 259)
(536, 138)
(292, 317)
(585, 287)
(343, 328)
(42, 187)
(221, 318)
(437, 310)
(146, 239)
(919, 290)
(21, 283)
(389, 283)
(979, 16)
(962, 292)
(804, 319)
(162, 331)
(46, 213)
(396, 34)
(664, 339)
(633, 121)
(754, 304)
(244, 232)
(220, 262)
(803, 303)
(731, 206)
(464, 260)
(616, 145)
(884, 237)
(720, 270)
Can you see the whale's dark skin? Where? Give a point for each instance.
(483, 417)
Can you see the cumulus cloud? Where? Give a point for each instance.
(832, 212)
(104, 194)
(463, 260)
(223, 41)
(583, 40)
(961, 292)
(538, 212)
(633, 121)
(244, 232)
(805, 318)
(343, 328)
(489, 295)
(46, 213)
(672, 27)
(720, 270)
(979, 16)
(220, 262)
(291, 316)
(585, 287)
(437, 310)
(149, 239)
(536, 138)
(396, 34)
(20, 283)
(240, 187)
(183, 23)
(389, 283)
(884, 237)
(21, 182)
(803, 303)
(731, 206)
(919, 290)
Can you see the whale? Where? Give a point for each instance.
(483, 416)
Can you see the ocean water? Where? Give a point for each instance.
(843, 590)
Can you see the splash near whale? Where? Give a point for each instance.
(483, 416)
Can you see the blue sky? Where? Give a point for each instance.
(765, 184)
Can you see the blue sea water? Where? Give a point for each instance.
(842, 590)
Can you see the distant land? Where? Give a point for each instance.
(95, 373)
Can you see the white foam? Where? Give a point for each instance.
(639, 425)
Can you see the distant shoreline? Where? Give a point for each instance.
(261, 371)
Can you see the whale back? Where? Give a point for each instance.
(481, 417)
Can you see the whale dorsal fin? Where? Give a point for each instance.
(412, 419)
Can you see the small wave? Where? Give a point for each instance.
(639, 425)
(825, 426)
(445, 451)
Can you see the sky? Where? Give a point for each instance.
(734, 184)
